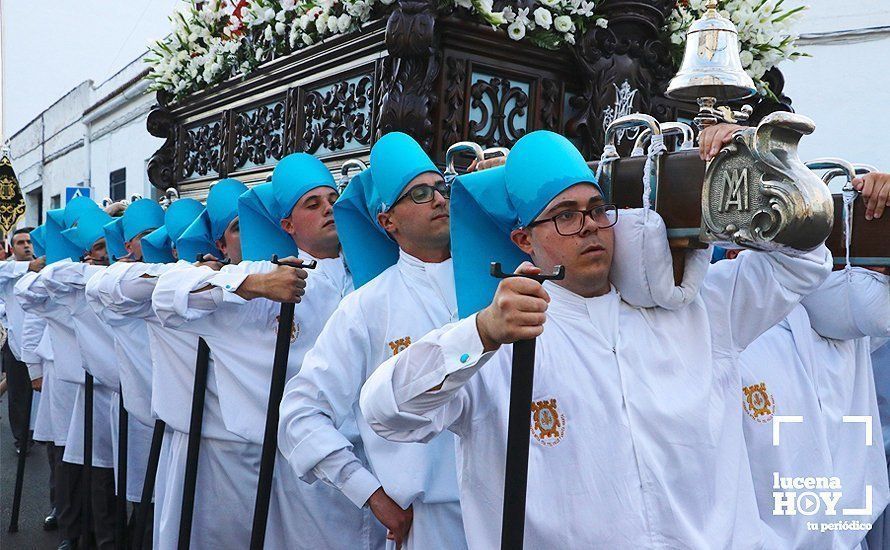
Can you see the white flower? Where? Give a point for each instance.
(508, 14)
(267, 34)
(585, 9)
(307, 40)
(543, 18)
(467, 4)
(569, 38)
(522, 17)
(280, 28)
(304, 21)
(321, 23)
(259, 54)
(563, 23)
(602, 23)
(288, 5)
(269, 14)
(485, 6)
(387, 2)
(747, 58)
(550, 3)
(343, 22)
(332, 24)
(516, 30)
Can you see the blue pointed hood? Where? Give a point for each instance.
(222, 205)
(260, 220)
(157, 246)
(201, 235)
(140, 216)
(294, 176)
(38, 240)
(396, 159)
(89, 229)
(261, 209)
(367, 248)
(58, 220)
(114, 238)
(486, 206)
(76, 207)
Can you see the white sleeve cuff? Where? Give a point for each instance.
(229, 282)
(360, 486)
(461, 346)
(35, 370)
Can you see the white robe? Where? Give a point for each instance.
(95, 341)
(636, 432)
(126, 289)
(789, 371)
(879, 536)
(14, 320)
(320, 412)
(54, 301)
(57, 396)
(131, 350)
(59, 391)
(10, 272)
(241, 336)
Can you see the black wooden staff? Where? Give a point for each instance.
(193, 450)
(276, 392)
(87, 459)
(202, 364)
(148, 486)
(522, 376)
(123, 436)
(20, 475)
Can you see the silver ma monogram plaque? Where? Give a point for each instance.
(758, 194)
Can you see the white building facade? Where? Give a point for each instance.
(93, 137)
(845, 86)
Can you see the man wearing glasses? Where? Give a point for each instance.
(393, 223)
(635, 431)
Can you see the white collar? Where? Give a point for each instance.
(439, 276)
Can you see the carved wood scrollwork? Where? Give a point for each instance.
(407, 76)
(500, 105)
(454, 101)
(335, 118)
(551, 101)
(201, 149)
(259, 135)
(160, 123)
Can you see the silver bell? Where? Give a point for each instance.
(711, 65)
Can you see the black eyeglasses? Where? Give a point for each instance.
(571, 222)
(424, 192)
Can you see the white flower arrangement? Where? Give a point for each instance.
(218, 41)
(766, 32)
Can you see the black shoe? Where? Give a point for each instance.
(70, 544)
(51, 522)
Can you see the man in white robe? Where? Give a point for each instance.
(125, 289)
(636, 439)
(18, 377)
(131, 351)
(801, 367)
(406, 290)
(52, 299)
(235, 310)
